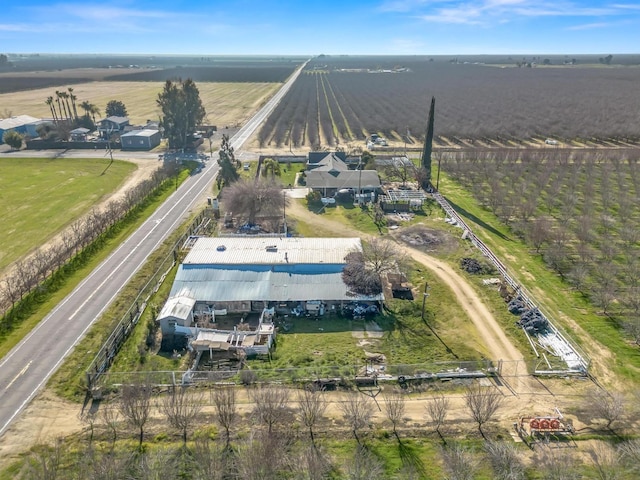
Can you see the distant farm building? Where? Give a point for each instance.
(23, 124)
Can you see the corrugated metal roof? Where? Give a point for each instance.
(17, 121)
(140, 133)
(236, 285)
(270, 250)
(178, 307)
(368, 179)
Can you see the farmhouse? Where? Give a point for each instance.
(255, 279)
(330, 174)
(23, 124)
(110, 125)
(145, 139)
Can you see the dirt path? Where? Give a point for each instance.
(487, 326)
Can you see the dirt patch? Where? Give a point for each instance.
(427, 239)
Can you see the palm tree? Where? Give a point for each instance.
(73, 102)
(94, 111)
(49, 101)
(58, 97)
(86, 106)
(65, 96)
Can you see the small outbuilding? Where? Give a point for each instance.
(145, 139)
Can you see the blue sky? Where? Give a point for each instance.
(309, 27)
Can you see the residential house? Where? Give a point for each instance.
(330, 175)
(112, 125)
(79, 134)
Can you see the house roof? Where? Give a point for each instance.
(17, 121)
(270, 250)
(115, 119)
(331, 162)
(179, 306)
(365, 179)
(241, 285)
(79, 131)
(140, 133)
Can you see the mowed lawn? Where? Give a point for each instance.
(38, 197)
(226, 104)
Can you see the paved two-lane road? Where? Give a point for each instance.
(26, 368)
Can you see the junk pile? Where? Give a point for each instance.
(533, 321)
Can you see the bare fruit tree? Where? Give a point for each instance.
(395, 408)
(249, 199)
(270, 406)
(505, 461)
(135, 406)
(604, 405)
(226, 408)
(483, 403)
(312, 406)
(357, 411)
(110, 419)
(437, 409)
(182, 409)
(459, 463)
(364, 465)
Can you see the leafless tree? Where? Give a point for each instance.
(395, 408)
(310, 463)
(210, 460)
(556, 465)
(270, 405)
(263, 456)
(157, 464)
(249, 199)
(459, 463)
(110, 418)
(357, 410)
(630, 454)
(505, 461)
(604, 405)
(135, 406)
(182, 408)
(226, 409)
(363, 270)
(483, 403)
(607, 462)
(312, 406)
(45, 461)
(437, 409)
(364, 465)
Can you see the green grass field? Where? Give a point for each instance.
(38, 197)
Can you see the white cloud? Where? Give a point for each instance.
(501, 11)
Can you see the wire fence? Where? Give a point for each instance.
(575, 360)
(121, 331)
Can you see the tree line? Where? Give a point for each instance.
(30, 274)
(272, 432)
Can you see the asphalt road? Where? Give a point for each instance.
(26, 368)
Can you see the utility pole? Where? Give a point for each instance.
(284, 211)
(424, 299)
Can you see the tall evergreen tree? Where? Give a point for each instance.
(428, 146)
(182, 111)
